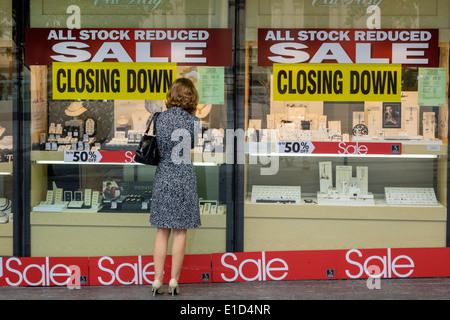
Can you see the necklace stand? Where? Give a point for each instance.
(429, 125)
(325, 176)
(349, 191)
(363, 181)
(139, 118)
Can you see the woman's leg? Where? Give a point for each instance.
(178, 249)
(160, 252)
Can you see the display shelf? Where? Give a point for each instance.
(381, 211)
(425, 149)
(6, 239)
(412, 148)
(57, 157)
(80, 218)
(280, 227)
(92, 234)
(6, 168)
(37, 156)
(313, 227)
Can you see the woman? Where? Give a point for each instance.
(174, 200)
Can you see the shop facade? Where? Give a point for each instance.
(324, 124)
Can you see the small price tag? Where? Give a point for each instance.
(82, 156)
(294, 147)
(433, 148)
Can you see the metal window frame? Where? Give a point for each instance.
(21, 133)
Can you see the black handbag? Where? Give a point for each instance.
(147, 153)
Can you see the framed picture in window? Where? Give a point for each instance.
(392, 114)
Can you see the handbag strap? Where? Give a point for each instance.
(154, 116)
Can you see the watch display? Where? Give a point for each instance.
(360, 130)
(90, 127)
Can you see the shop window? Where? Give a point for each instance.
(88, 197)
(314, 179)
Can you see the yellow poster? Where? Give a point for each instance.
(112, 80)
(337, 82)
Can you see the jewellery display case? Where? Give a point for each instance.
(346, 196)
(350, 192)
(89, 194)
(404, 203)
(73, 203)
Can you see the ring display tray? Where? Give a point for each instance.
(410, 196)
(276, 194)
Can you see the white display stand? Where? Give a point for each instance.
(343, 176)
(325, 176)
(410, 113)
(362, 176)
(344, 199)
(349, 191)
(374, 120)
(274, 194)
(358, 118)
(429, 125)
(410, 196)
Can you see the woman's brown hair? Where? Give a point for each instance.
(182, 94)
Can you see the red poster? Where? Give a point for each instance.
(44, 272)
(229, 267)
(193, 47)
(331, 264)
(116, 156)
(140, 270)
(343, 148)
(284, 147)
(409, 47)
(358, 148)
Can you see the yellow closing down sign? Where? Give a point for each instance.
(112, 80)
(336, 82)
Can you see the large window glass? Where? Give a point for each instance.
(334, 161)
(87, 195)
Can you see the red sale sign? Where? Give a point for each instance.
(343, 148)
(95, 156)
(116, 156)
(409, 47)
(44, 271)
(140, 270)
(331, 264)
(229, 267)
(194, 47)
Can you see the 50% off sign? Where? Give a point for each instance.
(294, 147)
(82, 156)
